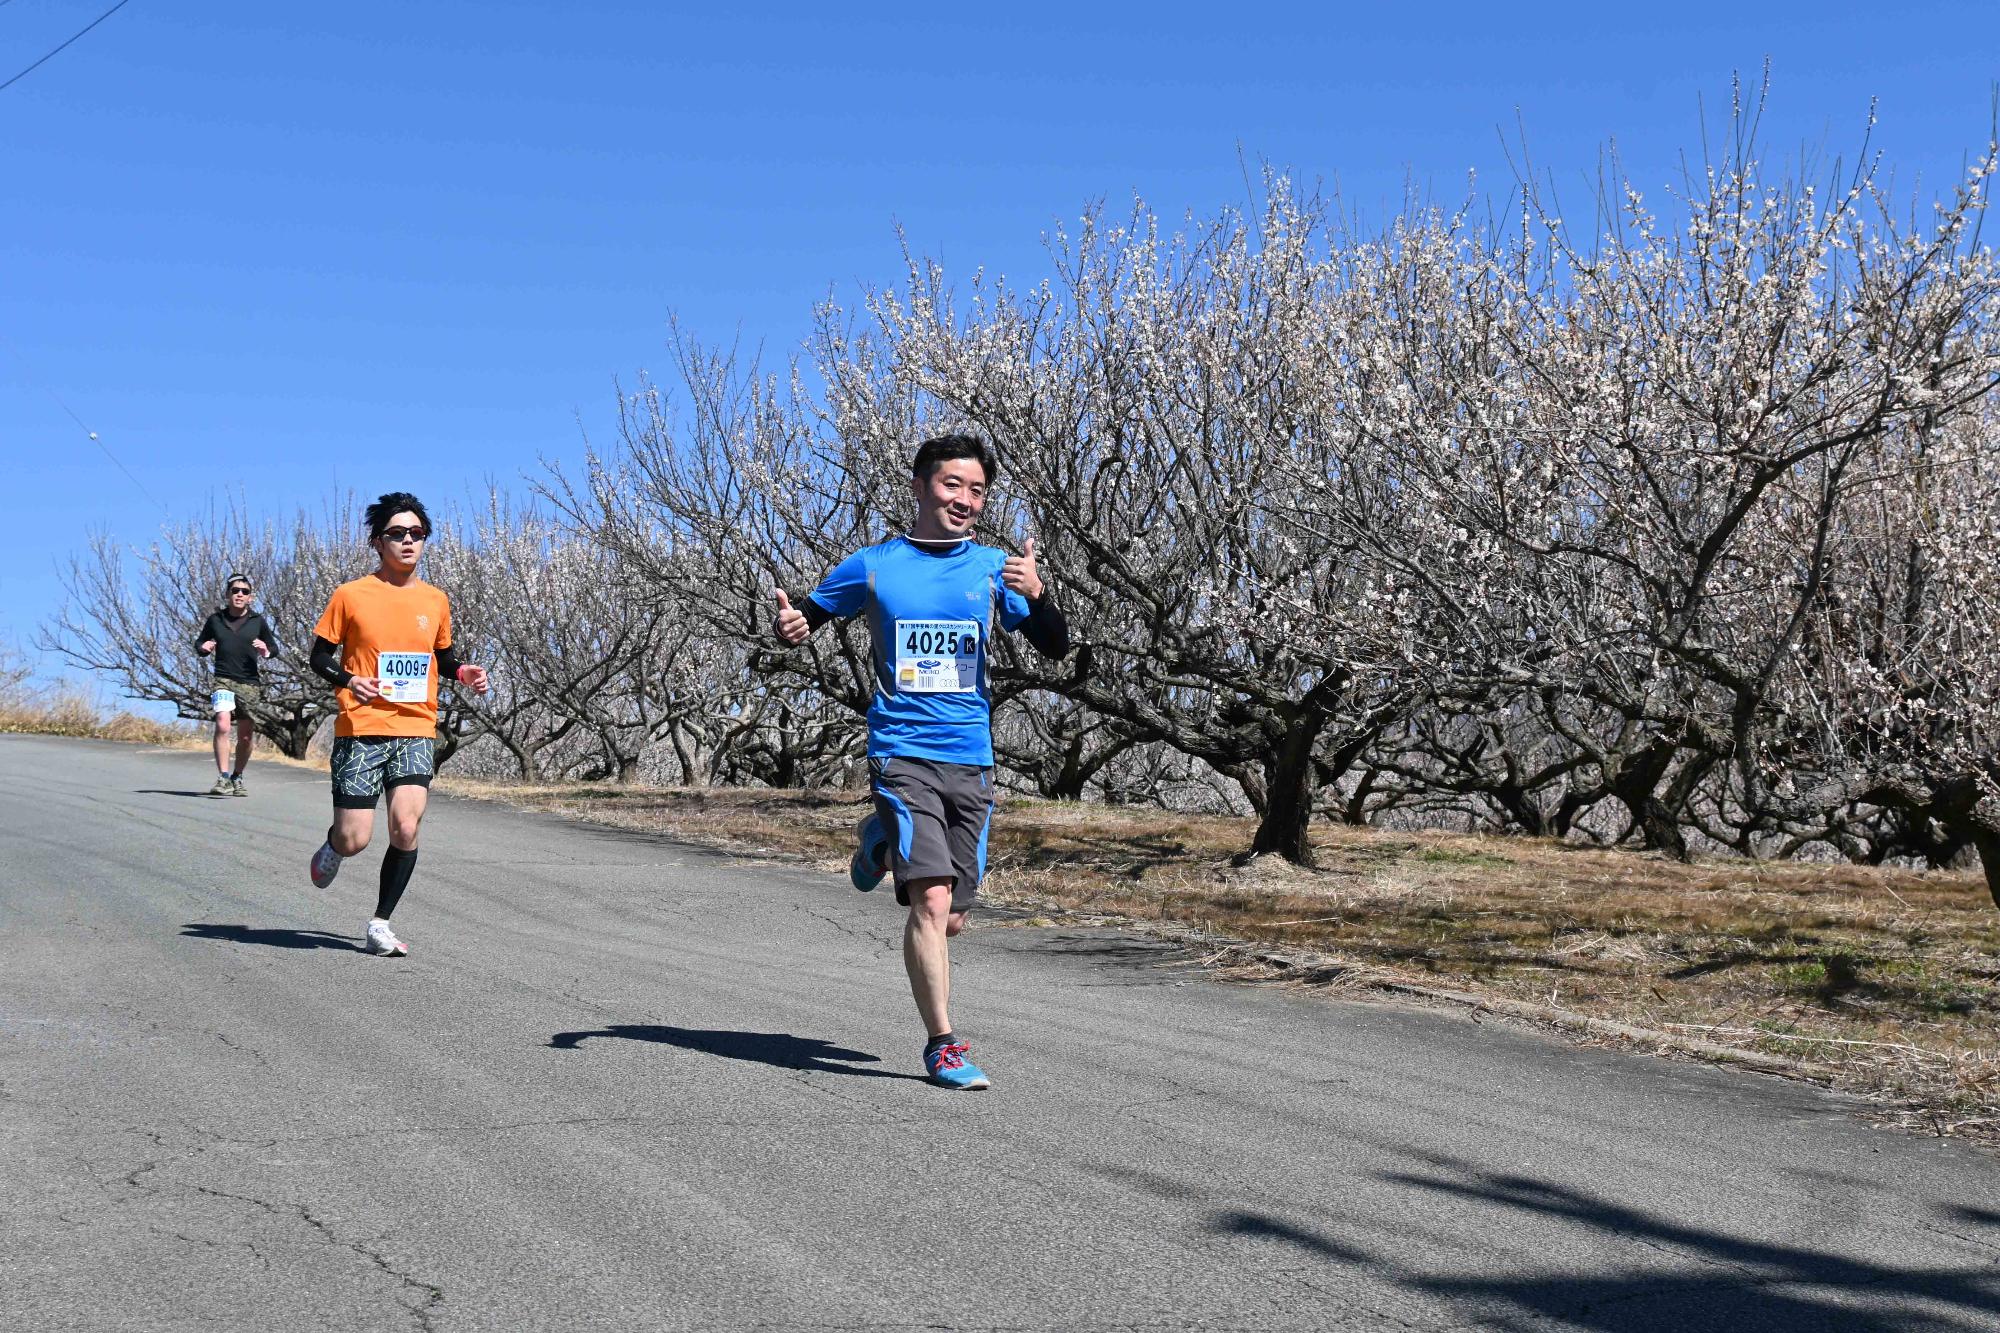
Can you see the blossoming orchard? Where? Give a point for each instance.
(1669, 522)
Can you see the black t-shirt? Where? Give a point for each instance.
(235, 658)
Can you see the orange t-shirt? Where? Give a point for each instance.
(391, 634)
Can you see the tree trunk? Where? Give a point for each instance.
(1289, 778)
(1636, 781)
(1988, 843)
(1660, 827)
(1067, 784)
(294, 735)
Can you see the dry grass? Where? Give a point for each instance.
(1881, 982)
(74, 715)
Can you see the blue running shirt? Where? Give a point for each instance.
(930, 621)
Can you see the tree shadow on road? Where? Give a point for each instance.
(162, 791)
(1728, 1281)
(270, 937)
(780, 1049)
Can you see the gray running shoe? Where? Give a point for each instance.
(236, 787)
(324, 866)
(221, 787)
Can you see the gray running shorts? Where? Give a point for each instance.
(937, 816)
(364, 766)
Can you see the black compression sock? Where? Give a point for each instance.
(942, 1039)
(397, 865)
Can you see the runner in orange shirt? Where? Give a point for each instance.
(384, 643)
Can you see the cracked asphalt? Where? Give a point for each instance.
(621, 1083)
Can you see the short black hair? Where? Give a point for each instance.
(388, 506)
(944, 448)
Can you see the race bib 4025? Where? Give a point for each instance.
(937, 656)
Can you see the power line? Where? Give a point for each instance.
(59, 50)
(43, 385)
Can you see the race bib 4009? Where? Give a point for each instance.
(937, 656)
(405, 678)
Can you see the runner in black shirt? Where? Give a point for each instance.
(238, 637)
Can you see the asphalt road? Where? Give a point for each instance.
(622, 1083)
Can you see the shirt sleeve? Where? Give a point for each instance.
(269, 636)
(845, 591)
(333, 621)
(444, 624)
(202, 635)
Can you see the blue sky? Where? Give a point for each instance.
(274, 249)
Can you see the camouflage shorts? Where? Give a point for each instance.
(236, 697)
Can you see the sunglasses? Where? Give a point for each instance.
(405, 534)
(234, 591)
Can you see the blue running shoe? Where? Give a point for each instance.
(948, 1068)
(871, 858)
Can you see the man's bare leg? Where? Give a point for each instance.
(407, 804)
(246, 735)
(927, 953)
(351, 831)
(222, 740)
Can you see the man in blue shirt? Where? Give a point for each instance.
(931, 597)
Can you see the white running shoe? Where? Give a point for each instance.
(325, 865)
(382, 940)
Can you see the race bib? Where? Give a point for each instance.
(405, 678)
(937, 656)
(222, 701)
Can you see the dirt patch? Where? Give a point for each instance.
(1884, 983)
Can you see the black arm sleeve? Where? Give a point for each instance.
(815, 614)
(202, 635)
(269, 636)
(448, 664)
(325, 662)
(1047, 628)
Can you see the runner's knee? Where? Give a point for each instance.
(930, 899)
(953, 924)
(403, 828)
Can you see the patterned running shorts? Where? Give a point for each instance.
(364, 766)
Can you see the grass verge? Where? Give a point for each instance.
(1877, 982)
(74, 715)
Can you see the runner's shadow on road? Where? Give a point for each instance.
(270, 937)
(779, 1049)
(161, 791)
(1724, 1280)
